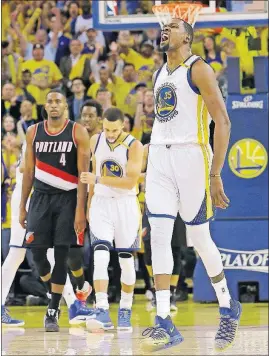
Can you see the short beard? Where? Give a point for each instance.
(164, 48)
(55, 118)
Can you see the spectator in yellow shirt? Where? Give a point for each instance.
(125, 95)
(105, 82)
(45, 75)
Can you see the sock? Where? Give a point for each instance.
(163, 303)
(126, 300)
(10, 266)
(55, 301)
(101, 300)
(48, 285)
(68, 293)
(80, 281)
(222, 293)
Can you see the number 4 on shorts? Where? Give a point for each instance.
(62, 159)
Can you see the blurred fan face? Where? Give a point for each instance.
(126, 124)
(77, 86)
(146, 51)
(38, 54)
(75, 47)
(103, 96)
(73, 10)
(209, 43)
(26, 78)
(104, 75)
(149, 98)
(91, 34)
(89, 118)
(26, 108)
(41, 37)
(9, 124)
(128, 73)
(8, 91)
(112, 129)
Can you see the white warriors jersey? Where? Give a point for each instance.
(16, 194)
(19, 175)
(111, 161)
(181, 115)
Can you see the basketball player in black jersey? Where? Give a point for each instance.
(90, 117)
(57, 152)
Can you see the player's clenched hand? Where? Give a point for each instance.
(80, 221)
(22, 218)
(219, 199)
(87, 178)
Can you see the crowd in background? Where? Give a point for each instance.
(52, 44)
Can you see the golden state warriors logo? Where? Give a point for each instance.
(111, 168)
(166, 102)
(247, 158)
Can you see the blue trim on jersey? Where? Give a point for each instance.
(97, 143)
(150, 215)
(198, 223)
(157, 74)
(102, 242)
(17, 246)
(127, 151)
(192, 86)
(127, 249)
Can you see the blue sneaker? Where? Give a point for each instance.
(163, 335)
(7, 320)
(229, 321)
(101, 321)
(124, 320)
(79, 313)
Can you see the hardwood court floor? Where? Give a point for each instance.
(197, 323)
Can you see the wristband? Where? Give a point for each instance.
(214, 175)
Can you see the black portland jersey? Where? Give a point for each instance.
(56, 159)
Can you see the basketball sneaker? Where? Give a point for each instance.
(79, 313)
(51, 320)
(101, 321)
(229, 321)
(82, 294)
(124, 320)
(7, 320)
(162, 336)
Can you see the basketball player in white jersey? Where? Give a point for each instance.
(183, 175)
(114, 214)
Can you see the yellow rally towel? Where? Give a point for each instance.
(78, 68)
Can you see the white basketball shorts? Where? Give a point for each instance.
(177, 180)
(116, 220)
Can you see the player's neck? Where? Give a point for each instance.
(176, 58)
(94, 132)
(55, 126)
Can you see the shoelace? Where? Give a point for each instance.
(227, 328)
(155, 332)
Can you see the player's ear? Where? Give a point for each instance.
(187, 39)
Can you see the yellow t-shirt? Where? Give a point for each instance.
(92, 91)
(144, 66)
(46, 71)
(125, 96)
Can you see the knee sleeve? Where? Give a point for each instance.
(101, 261)
(41, 261)
(161, 250)
(206, 248)
(59, 272)
(75, 257)
(177, 260)
(127, 266)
